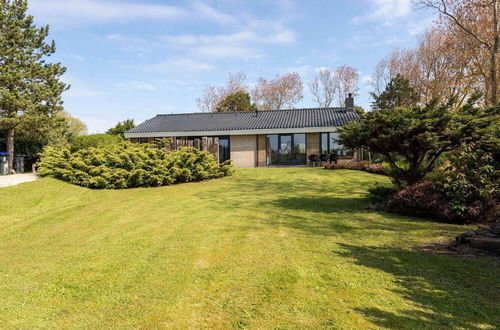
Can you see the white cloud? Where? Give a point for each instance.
(205, 11)
(78, 12)
(136, 85)
(180, 64)
(386, 10)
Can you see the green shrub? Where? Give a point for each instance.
(127, 165)
(93, 141)
(381, 194)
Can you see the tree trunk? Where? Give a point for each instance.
(10, 149)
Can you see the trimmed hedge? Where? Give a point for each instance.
(127, 165)
(94, 141)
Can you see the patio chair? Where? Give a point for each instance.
(313, 160)
(333, 158)
(323, 158)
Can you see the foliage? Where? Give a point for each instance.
(213, 95)
(330, 85)
(397, 93)
(121, 128)
(381, 194)
(76, 127)
(282, 92)
(127, 165)
(93, 141)
(412, 139)
(29, 85)
(238, 101)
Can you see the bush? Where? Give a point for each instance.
(428, 199)
(359, 166)
(127, 165)
(93, 141)
(380, 194)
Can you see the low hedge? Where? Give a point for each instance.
(359, 166)
(127, 165)
(93, 141)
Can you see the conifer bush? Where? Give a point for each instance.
(127, 165)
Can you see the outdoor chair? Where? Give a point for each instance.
(313, 160)
(333, 158)
(323, 158)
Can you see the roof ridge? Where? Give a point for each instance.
(241, 112)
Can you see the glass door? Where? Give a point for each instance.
(286, 149)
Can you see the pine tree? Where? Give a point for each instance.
(29, 86)
(397, 93)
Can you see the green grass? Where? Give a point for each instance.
(265, 248)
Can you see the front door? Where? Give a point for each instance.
(286, 149)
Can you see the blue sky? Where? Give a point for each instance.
(137, 58)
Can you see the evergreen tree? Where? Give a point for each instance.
(239, 101)
(397, 93)
(121, 128)
(29, 86)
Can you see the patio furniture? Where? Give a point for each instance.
(333, 158)
(313, 160)
(323, 158)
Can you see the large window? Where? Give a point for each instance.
(286, 149)
(224, 149)
(272, 157)
(329, 144)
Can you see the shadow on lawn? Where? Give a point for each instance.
(446, 288)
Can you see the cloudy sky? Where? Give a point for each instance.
(137, 58)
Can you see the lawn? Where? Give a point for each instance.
(265, 248)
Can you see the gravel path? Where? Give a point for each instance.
(12, 180)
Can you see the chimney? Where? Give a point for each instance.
(349, 102)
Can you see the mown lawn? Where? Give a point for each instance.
(265, 248)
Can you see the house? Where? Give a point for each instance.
(258, 139)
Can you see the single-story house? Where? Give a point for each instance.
(258, 139)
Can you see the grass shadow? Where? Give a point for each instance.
(444, 289)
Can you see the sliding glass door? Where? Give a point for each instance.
(286, 149)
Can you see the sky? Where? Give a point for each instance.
(138, 58)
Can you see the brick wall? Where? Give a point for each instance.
(261, 150)
(312, 142)
(244, 150)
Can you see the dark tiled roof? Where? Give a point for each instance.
(229, 121)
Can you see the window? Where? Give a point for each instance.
(224, 149)
(142, 140)
(299, 149)
(329, 144)
(286, 149)
(272, 157)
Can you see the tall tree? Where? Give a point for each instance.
(76, 127)
(282, 92)
(121, 128)
(29, 86)
(398, 93)
(348, 82)
(478, 21)
(239, 101)
(324, 88)
(213, 95)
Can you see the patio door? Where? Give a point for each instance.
(286, 149)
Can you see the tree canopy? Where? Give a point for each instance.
(397, 93)
(413, 138)
(30, 87)
(121, 128)
(238, 101)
